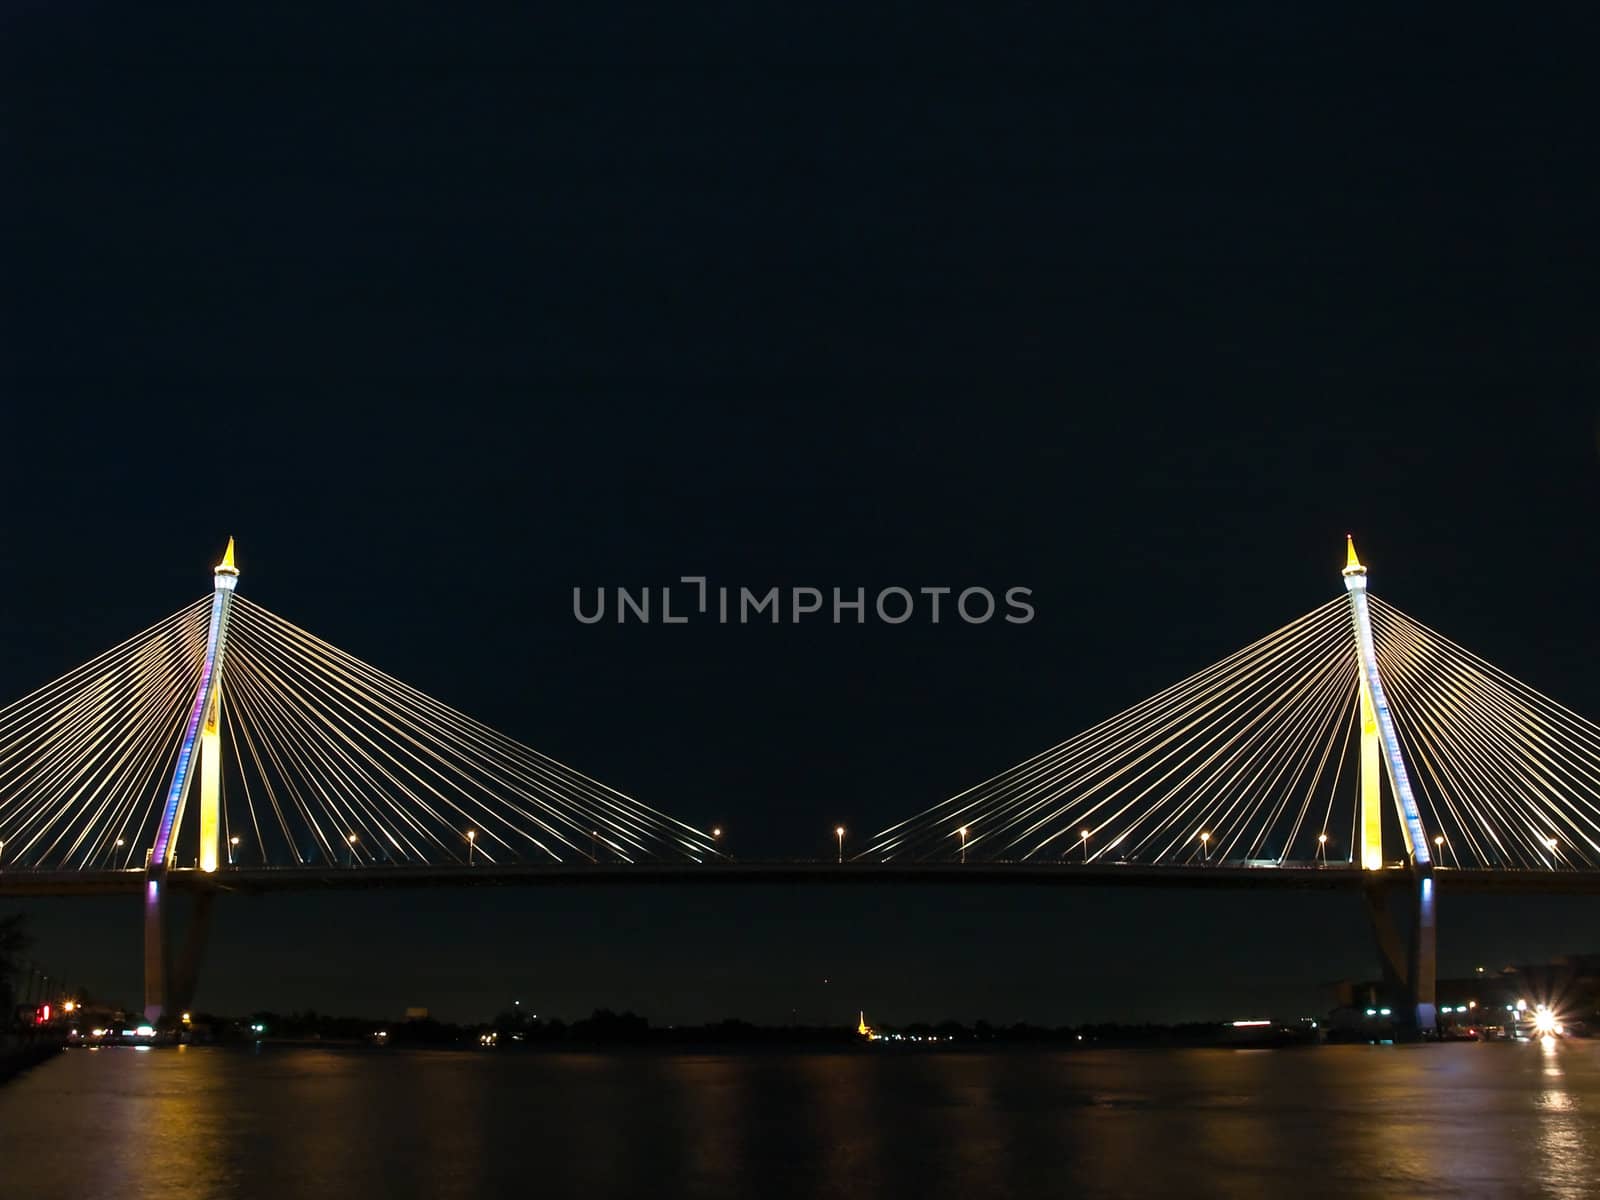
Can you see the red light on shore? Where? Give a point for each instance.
(44, 1014)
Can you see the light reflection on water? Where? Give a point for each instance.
(1465, 1120)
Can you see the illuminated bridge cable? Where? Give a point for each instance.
(1506, 770)
(327, 761)
(1031, 788)
(84, 758)
(330, 748)
(413, 710)
(1195, 754)
(1254, 760)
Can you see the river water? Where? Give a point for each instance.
(1500, 1120)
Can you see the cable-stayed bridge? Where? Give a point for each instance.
(226, 749)
(1290, 752)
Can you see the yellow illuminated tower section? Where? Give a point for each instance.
(1371, 847)
(1380, 742)
(211, 742)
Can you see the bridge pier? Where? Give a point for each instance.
(172, 968)
(1424, 955)
(1380, 744)
(155, 944)
(1409, 966)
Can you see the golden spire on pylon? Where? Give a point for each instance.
(1352, 564)
(226, 567)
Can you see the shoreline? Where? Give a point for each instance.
(14, 1060)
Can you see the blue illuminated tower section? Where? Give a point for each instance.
(204, 727)
(1380, 743)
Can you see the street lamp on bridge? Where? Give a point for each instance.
(838, 832)
(233, 846)
(1205, 847)
(963, 834)
(1322, 848)
(1083, 840)
(352, 839)
(472, 845)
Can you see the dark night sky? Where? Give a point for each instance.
(443, 317)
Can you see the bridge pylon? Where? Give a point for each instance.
(203, 731)
(1380, 755)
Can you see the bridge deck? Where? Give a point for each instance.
(260, 880)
